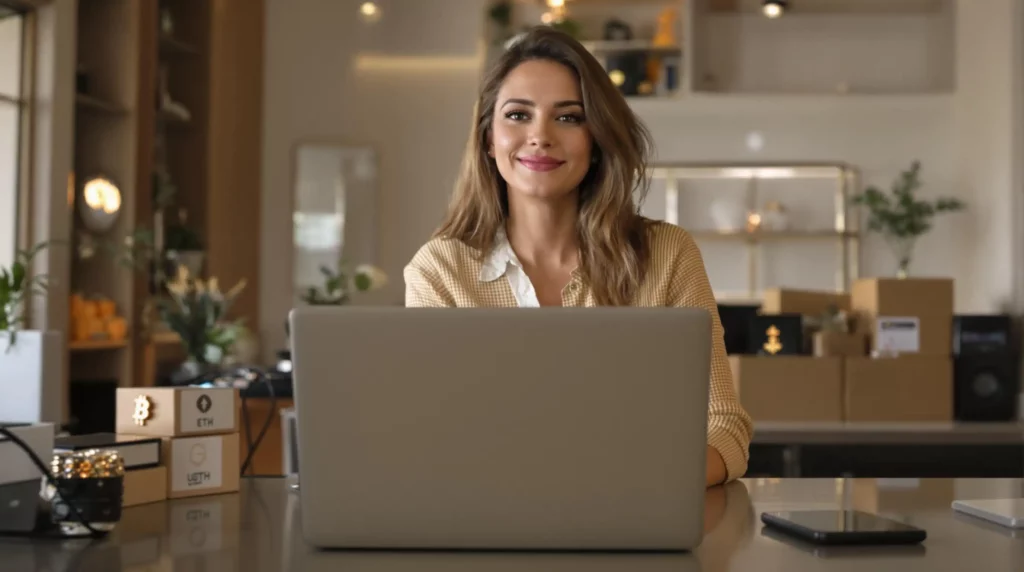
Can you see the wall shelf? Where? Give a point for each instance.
(172, 46)
(841, 181)
(728, 47)
(88, 103)
(97, 345)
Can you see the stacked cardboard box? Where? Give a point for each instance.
(852, 375)
(198, 428)
(910, 319)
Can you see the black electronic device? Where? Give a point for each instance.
(975, 334)
(735, 320)
(843, 527)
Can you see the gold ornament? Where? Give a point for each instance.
(773, 345)
(88, 464)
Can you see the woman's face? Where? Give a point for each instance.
(539, 135)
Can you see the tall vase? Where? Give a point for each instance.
(903, 270)
(903, 250)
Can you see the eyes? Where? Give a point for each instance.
(518, 116)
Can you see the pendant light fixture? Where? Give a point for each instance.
(774, 8)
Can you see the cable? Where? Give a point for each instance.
(266, 424)
(53, 482)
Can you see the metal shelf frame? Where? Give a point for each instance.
(845, 229)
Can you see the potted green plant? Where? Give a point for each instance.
(339, 285)
(197, 311)
(30, 371)
(900, 216)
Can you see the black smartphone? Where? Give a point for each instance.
(842, 527)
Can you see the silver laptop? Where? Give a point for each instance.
(502, 429)
(1008, 512)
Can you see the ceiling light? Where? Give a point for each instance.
(774, 8)
(369, 11)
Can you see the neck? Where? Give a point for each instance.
(543, 233)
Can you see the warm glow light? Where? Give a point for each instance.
(101, 194)
(369, 11)
(759, 173)
(618, 78)
(547, 18)
(418, 63)
(556, 3)
(772, 10)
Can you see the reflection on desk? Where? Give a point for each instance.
(259, 529)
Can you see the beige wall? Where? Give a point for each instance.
(418, 120)
(410, 97)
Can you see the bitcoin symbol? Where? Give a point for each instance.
(141, 413)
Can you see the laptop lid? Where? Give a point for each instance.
(549, 428)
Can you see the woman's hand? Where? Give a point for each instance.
(716, 473)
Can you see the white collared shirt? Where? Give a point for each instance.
(503, 261)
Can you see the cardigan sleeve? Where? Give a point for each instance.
(730, 428)
(424, 287)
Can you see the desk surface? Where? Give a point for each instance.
(840, 433)
(258, 530)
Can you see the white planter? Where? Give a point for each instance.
(30, 377)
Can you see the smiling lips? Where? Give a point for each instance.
(540, 163)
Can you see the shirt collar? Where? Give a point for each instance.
(499, 259)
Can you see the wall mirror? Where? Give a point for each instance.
(334, 209)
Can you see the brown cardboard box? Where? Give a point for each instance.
(905, 388)
(812, 302)
(789, 388)
(839, 344)
(177, 411)
(935, 335)
(906, 297)
(143, 486)
(203, 465)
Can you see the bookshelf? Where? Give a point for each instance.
(148, 111)
(723, 48)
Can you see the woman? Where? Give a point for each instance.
(544, 215)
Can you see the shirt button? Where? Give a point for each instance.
(573, 287)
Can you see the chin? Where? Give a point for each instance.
(543, 192)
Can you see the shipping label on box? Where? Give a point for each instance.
(202, 465)
(896, 335)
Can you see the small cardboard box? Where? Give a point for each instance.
(899, 389)
(808, 302)
(932, 335)
(201, 465)
(839, 344)
(177, 411)
(789, 388)
(143, 486)
(903, 297)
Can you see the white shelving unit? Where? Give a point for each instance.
(850, 48)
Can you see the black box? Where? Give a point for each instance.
(782, 334)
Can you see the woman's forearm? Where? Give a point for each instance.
(716, 472)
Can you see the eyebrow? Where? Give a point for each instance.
(566, 103)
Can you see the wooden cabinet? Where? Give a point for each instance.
(268, 459)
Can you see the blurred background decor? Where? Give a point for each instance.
(197, 312)
(902, 218)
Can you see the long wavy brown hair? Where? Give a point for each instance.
(613, 237)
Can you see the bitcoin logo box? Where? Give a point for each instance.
(203, 465)
(177, 411)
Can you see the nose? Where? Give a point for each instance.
(540, 134)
